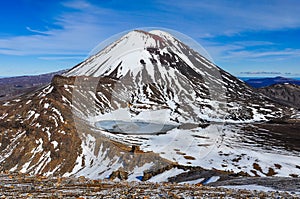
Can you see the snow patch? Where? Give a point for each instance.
(253, 187)
(163, 177)
(55, 144)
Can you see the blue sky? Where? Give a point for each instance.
(242, 37)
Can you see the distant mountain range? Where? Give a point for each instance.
(263, 82)
(11, 87)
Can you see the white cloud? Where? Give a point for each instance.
(86, 25)
(62, 57)
(80, 4)
(232, 17)
(255, 54)
(37, 31)
(79, 31)
(83, 25)
(249, 51)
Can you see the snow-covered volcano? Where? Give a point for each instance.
(153, 71)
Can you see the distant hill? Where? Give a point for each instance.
(11, 87)
(264, 82)
(286, 94)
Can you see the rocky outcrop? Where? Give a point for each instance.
(120, 174)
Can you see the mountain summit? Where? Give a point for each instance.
(145, 105)
(156, 70)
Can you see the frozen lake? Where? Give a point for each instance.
(134, 127)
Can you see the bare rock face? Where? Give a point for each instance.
(287, 94)
(120, 174)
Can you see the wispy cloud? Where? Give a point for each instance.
(79, 31)
(37, 31)
(250, 51)
(62, 57)
(255, 54)
(261, 73)
(232, 17)
(272, 73)
(82, 24)
(79, 4)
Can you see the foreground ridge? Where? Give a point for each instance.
(15, 185)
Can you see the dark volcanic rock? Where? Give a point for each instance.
(120, 174)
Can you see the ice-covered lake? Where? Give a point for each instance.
(134, 127)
